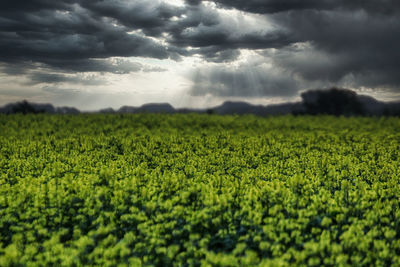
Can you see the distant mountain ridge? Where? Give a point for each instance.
(334, 101)
(26, 107)
(148, 108)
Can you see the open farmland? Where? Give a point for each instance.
(199, 190)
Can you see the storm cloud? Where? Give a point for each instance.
(298, 43)
(346, 43)
(58, 34)
(277, 6)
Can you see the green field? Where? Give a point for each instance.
(199, 190)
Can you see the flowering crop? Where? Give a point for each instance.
(199, 190)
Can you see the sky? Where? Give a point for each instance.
(94, 54)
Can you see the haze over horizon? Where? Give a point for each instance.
(93, 54)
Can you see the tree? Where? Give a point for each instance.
(334, 101)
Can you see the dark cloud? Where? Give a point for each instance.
(113, 65)
(319, 43)
(33, 5)
(56, 78)
(218, 38)
(14, 69)
(49, 32)
(193, 2)
(352, 42)
(349, 42)
(221, 39)
(45, 47)
(276, 6)
(116, 66)
(149, 16)
(73, 72)
(65, 34)
(341, 45)
(214, 54)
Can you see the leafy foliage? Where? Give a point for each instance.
(199, 190)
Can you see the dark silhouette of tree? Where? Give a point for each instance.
(392, 109)
(334, 101)
(23, 107)
(210, 111)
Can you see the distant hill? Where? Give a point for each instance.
(239, 108)
(148, 108)
(26, 107)
(334, 101)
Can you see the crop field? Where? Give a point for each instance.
(199, 190)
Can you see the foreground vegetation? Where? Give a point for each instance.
(198, 190)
